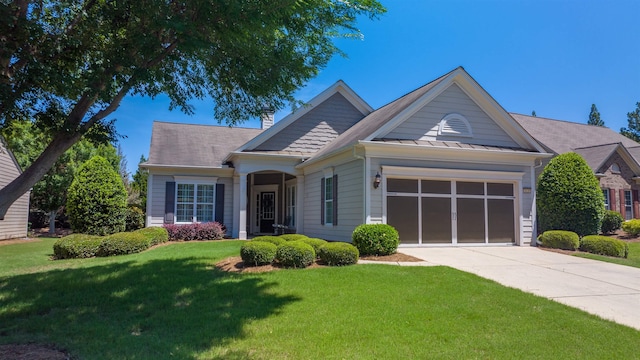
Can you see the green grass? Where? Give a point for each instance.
(632, 260)
(171, 303)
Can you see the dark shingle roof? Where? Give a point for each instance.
(595, 156)
(195, 145)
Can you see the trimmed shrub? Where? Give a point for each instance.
(256, 253)
(295, 254)
(97, 199)
(134, 219)
(196, 231)
(76, 246)
(560, 239)
(338, 254)
(155, 234)
(611, 222)
(631, 227)
(293, 237)
(569, 196)
(315, 243)
(375, 239)
(275, 240)
(603, 245)
(123, 243)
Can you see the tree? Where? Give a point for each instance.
(594, 117)
(68, 64)
(50, 193)
(97, 200)
(533, 113)
(139, 185)
(569, 196)
(632, 131)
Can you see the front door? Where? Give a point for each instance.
(267, 211)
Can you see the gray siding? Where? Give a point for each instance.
(228, 203)
(350, 203)
(157, 199)
(15, 221)
(423, 125)
(316, 128)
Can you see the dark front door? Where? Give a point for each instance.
(267, 211)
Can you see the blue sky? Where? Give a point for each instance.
(556, 57)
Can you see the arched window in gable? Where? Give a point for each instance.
(456, 125)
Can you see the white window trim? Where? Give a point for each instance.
(607, 201)
(328, 174)
(291, 188)
(187, 180)
(454, 117)
(630, 206)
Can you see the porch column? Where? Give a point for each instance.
(240, 206)
(300, 204)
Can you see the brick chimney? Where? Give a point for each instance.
(267, 118)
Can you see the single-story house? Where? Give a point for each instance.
(614, 158)
(444, 164)
(16, 220)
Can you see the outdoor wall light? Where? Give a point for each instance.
(376, 181)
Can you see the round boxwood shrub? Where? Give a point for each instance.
(295, 254)
(76, 246)
(375, 239)
(560, 239)
(97, 199)
(123, 243)
(275, 240)
(156, 235)
(603, 245)
(315, 243)
(569, 196)
(611, 222)
(338, 254)
(256, 253)
(631, 227)
(293, 237)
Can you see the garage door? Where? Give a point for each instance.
(434, 211)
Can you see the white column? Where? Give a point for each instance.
(300, 204)
(242, 214)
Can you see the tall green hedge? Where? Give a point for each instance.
(97, 199)
(569, 196)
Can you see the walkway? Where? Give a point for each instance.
(608, 290)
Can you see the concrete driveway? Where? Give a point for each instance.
(607, 290)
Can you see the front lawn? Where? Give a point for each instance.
(171, 303)
(632, 260)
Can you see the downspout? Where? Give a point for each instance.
(364, 182)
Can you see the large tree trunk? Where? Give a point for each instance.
(12, 192)
(52, 222)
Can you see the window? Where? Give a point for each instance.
(454, 125)
(329, 200)
(195, 202)
(615, 168)
(291, 206)
(628, 205)
(605, 192)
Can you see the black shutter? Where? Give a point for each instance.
(220, 203)
(169, 201)
(335, 200)
(322, 201)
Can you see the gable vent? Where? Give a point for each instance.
(454, 125)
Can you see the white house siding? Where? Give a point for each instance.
(350, 203)
(423, 125)
(526, 201)
(16, 219)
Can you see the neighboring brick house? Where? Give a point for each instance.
(612, 157)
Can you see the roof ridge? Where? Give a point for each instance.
(416, 89)
(205, 125)
(599, 145)
(558, 120)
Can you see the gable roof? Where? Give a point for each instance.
(381, 121)
(4, 147)
(596, 156)
(188, 145)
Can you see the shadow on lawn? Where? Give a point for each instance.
(157, 309)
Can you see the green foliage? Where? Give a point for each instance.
(375, 239)
(292, 237)
(134, 219)
(569, 196)
(97, 200)
(315, 243)
(139, 185)
(275, 240)
(560, 239)
(256, 253)
(156, 235)
(603, 245)
(123, 243)
(632, 131)
(338, 254)
(196, 231)
(631, 227)
(611, 221)
(594, 117)
(76, 246)
(295, 254)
